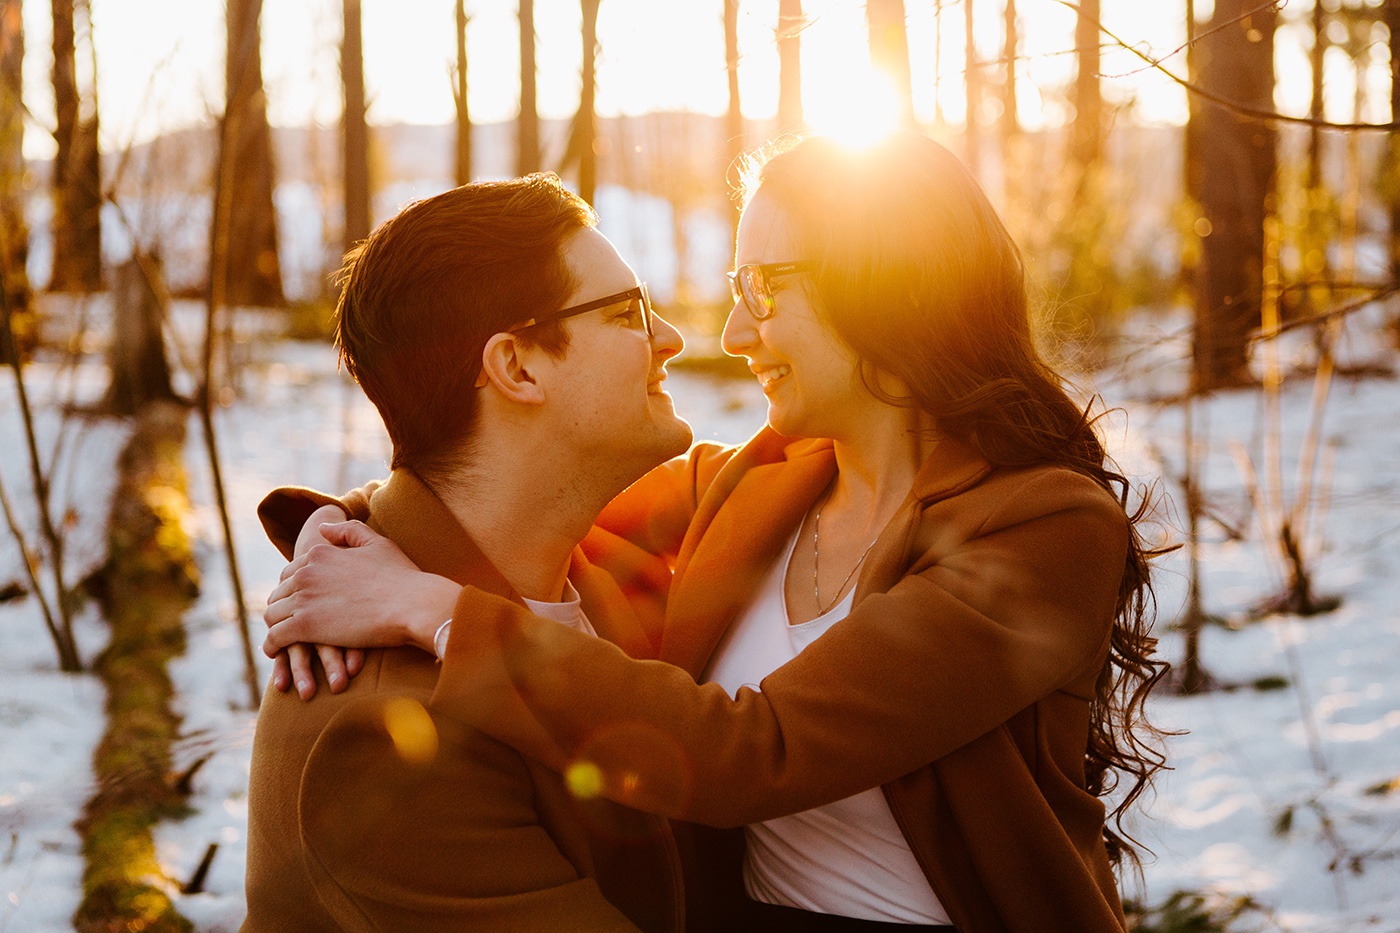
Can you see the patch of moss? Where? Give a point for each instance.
(150, 580)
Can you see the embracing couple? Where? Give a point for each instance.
(873, 669)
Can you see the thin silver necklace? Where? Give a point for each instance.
(816, 562)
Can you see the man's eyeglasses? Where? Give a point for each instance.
(637, 294)
(751, 284)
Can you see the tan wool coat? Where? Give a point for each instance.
(372, 811)
(961, 683)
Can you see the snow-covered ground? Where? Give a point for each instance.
(1253, 760)
(1277, 794)
(50, 722)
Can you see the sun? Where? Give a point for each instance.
(864, 110)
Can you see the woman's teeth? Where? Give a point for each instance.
(767, 377)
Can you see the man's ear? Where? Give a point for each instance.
(505, 364)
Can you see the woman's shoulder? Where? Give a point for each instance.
(1043, 496)
(1052, 487)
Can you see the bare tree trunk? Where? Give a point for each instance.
(1236, 189)
(356, 145)
(254, 273)
(790, 25)
(1392, 20)
(1190, 269)
(585, 124)
(528, 125)
(1087, 133)
(1091, 282)
(938, 63)
(220, 232)
(1319, 51)
(1010, 122)
(889, 50)
(459, 94)
(734, 116)
(136, 356)
(14, 232)
(1191, 156)
(18, 335)
(1313, 246)
(77, 172)
(972, 79)
(1191, 673)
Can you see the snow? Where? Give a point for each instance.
(50, 722)
(1246, 757)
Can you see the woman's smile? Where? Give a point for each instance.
(770, 376)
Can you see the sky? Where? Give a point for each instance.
(160, 62)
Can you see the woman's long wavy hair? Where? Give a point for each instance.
(916, 272)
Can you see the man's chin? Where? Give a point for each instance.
(680, 436)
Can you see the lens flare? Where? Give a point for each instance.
(584, 780)
(411, 729)
(862, 111)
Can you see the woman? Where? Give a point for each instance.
(914, 604)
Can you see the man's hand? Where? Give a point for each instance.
(358, 590)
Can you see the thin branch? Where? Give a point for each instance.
(31, 569)
(1379, 292)
(1231, 105)
(68, 659)
(1196, 37)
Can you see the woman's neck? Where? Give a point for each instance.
(878, 461)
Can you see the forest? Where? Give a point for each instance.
(1206, 196)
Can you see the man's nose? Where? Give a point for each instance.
(666, 341)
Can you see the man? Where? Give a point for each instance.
(518, 369)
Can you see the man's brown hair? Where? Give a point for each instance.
(425, 291)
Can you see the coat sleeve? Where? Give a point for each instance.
(407, 825)
(1020, 609)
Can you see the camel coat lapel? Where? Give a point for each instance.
(750, 511)
(740, 526)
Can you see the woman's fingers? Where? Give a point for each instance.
(348, 534)
(294, 666)
(333, 660)
(291, 568)
(279, 609)
(281, 672)
(299, 656)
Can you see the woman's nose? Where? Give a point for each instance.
(740, 331)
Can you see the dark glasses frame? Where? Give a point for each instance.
(749, 285)
(636, 292)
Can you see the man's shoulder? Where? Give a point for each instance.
(382, 715)
(404, 742)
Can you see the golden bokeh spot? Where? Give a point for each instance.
(630, 782)
(1204, 227)
(410, 727)
(584, 780)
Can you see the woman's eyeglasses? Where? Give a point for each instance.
(637, 294)
(751, 284)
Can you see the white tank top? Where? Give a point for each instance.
(846, 858)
